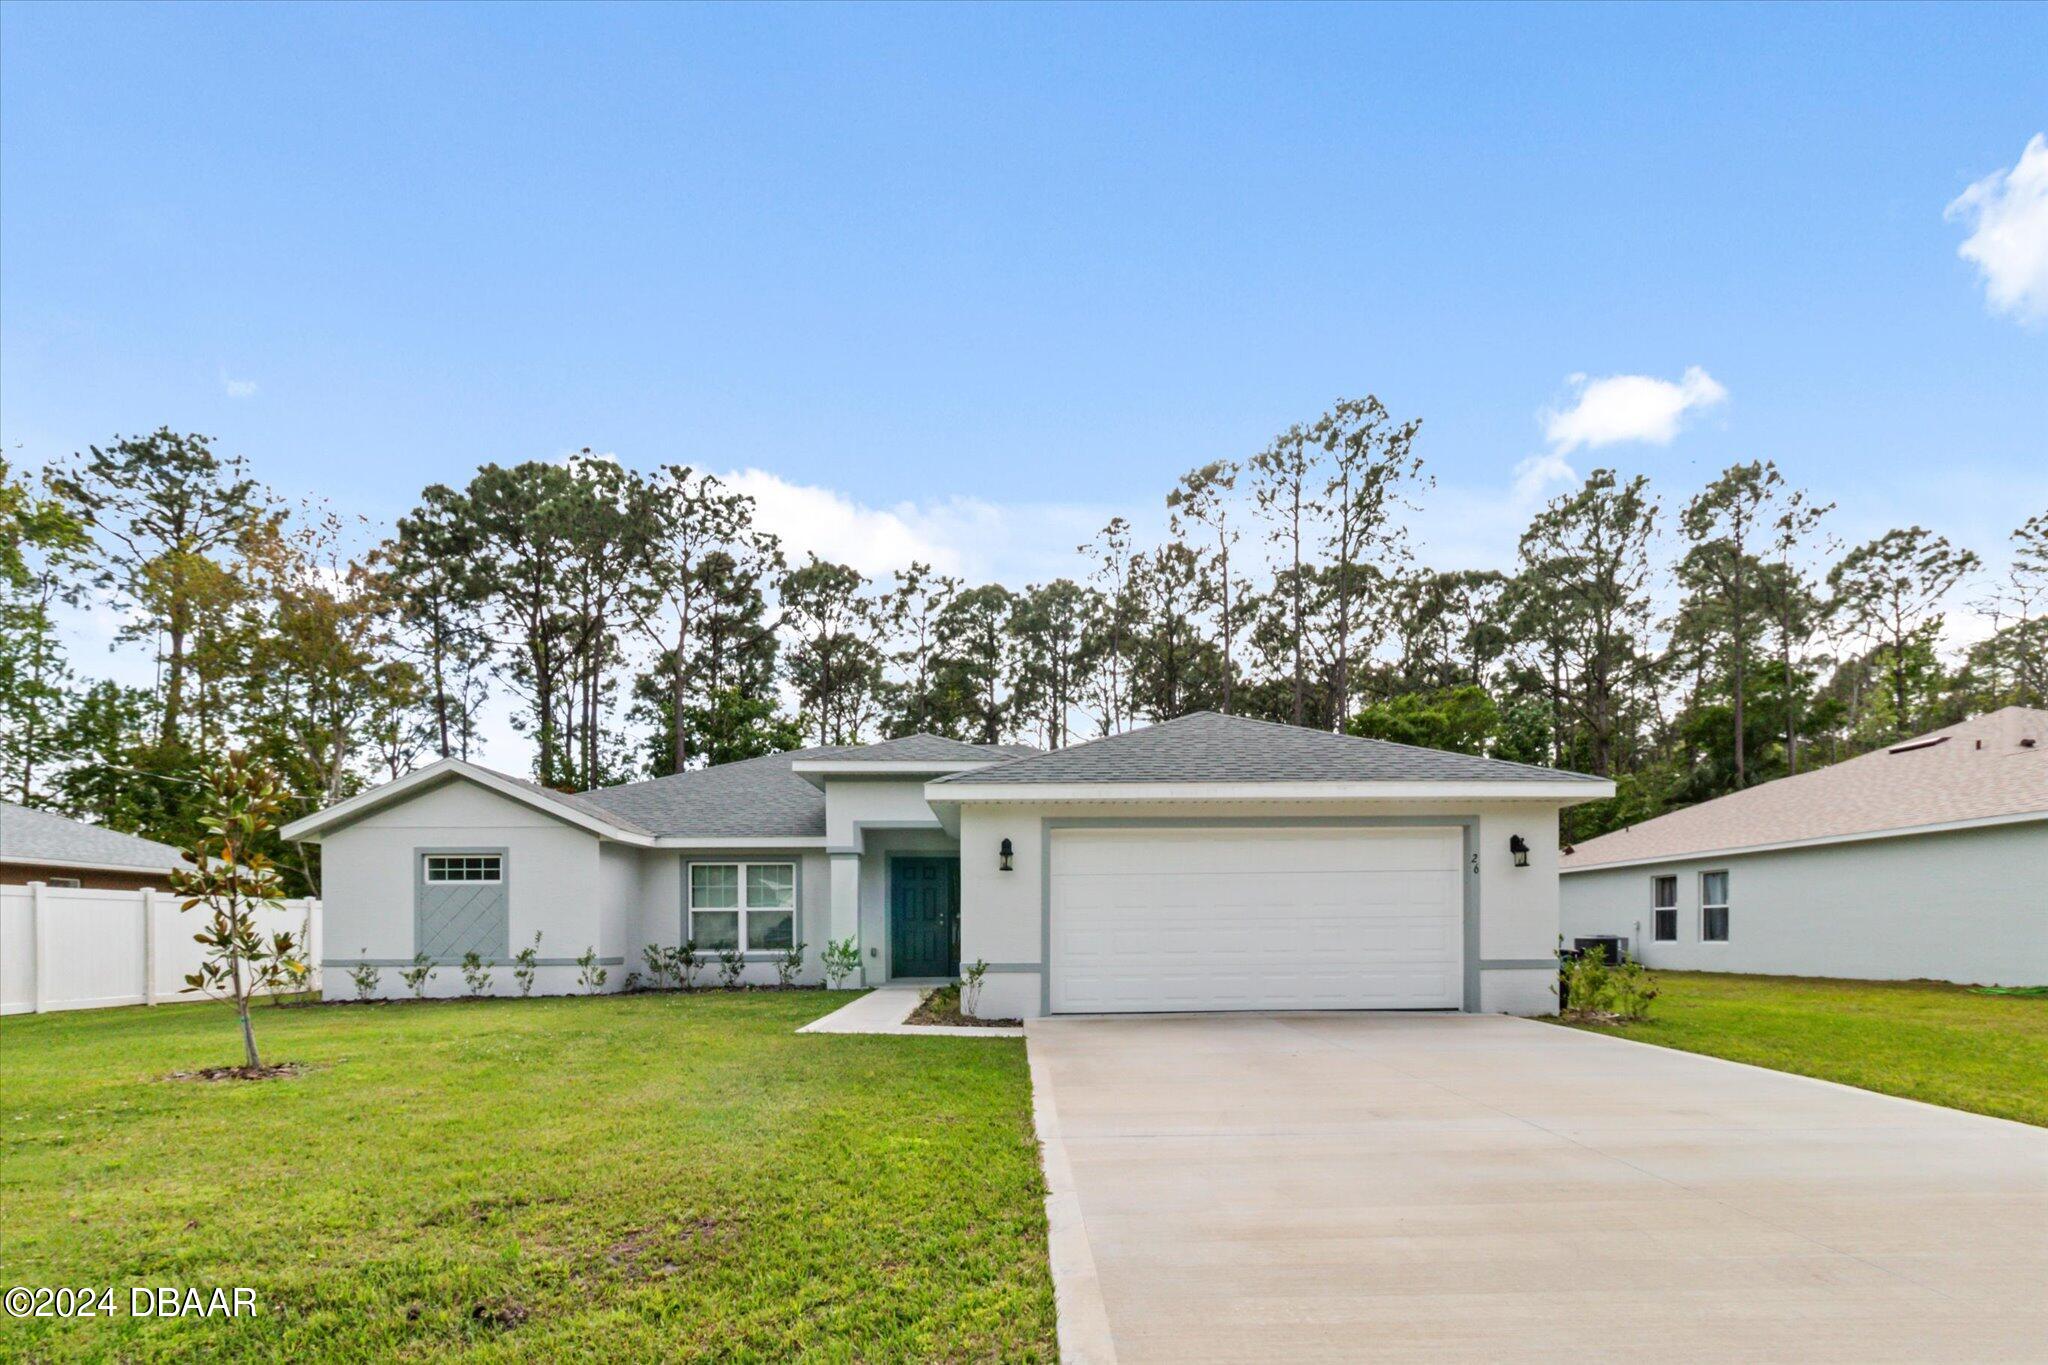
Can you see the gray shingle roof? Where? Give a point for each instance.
(28, 836)
(1206, 747)
(756, 798)
(920, 749)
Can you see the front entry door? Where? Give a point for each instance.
(924, 917)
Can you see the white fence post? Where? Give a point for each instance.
(41, 959)
(149, 945)
(314, 944)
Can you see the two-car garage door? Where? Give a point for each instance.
(1231, 918)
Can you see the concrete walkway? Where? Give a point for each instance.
(883, 1010)
(1440, 1188)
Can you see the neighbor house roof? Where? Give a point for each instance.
(37, 836)
(1983, 770)
(1209, 748)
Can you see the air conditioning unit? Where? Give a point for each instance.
(1616, 946)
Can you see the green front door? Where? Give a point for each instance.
(924, 917)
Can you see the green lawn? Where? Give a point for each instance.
(623, 1177)
(1921, 1039)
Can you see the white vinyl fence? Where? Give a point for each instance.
(62, 948)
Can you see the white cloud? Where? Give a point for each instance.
(1535, 476)
(1628, 407)
(2008, 241)
(237, 388)
(968, 537)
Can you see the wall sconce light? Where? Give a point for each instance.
(1520, 848)
(1006, 853)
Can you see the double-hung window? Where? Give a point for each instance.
(1713, 907)
(1664, 909)
(750, 903)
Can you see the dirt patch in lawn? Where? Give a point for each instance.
(281, 1071)
(942, 1007)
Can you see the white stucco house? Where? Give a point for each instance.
(1207, 863)
(1928, 859)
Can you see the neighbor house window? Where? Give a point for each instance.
(1664, 909)
(750, 903)
(69, 883)
(1714, 907)
(465, 867)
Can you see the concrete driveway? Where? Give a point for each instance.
(1390, 1187)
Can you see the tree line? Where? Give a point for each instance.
(641, 624)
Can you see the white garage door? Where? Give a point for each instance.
(1227, 919)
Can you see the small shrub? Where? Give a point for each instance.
(1593, 990)
(685, 962)
(1630, 989)
(731, 962)
(632, 982)
(842, 959)
(418, 975)
(789, 964)
(970, 989)
(476, 974)
(590, 976)
(364, 974)
(528, 959)
(657, 959)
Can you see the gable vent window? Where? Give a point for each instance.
(464, 867)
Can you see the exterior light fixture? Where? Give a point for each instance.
(1006, 853)
(1520, 848)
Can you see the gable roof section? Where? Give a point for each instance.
(1975, 772)
(755, 798)
(1208, 748)
(38, 836)
(575, 808)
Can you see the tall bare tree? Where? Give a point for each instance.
(1204, 497)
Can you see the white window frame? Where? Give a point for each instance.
(1657, 909)
(1727, 895)
(427, 869)
(66, 884)
(744, 911)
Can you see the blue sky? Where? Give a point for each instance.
(963, 282)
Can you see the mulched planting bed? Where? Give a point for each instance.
(942, 1007)
(280, 1071)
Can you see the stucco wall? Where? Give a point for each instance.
(1002, 915)
(368, 877)
(1970, 906)
(852, 803)
(660, 914)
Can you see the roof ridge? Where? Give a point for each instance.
(992, 771)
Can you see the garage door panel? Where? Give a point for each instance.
(1266, 919)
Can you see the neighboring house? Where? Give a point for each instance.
(1927, 859)
(1208, 863)
(36, 846)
